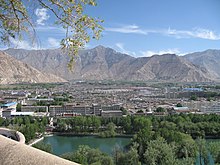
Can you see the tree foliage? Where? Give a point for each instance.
(160, 109)
(28, 125)
(44, 147)
(110, 131)
(129, 158)
(16, 18)
(174, 136)
(160, 152)
(86, 156)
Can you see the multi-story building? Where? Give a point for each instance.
(111, 113)
(34, 108)
(212, 109)
(11, 105)
(95, 109)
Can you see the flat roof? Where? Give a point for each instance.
(9, 104)
(181, 108)
(21, 113)
(193, 89)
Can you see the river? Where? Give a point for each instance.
(63, 144)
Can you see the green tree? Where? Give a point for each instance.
(179, 105)
(141, 123)
(86, 156)
(124, 111)
(160, 152)
(61, 125)
(193, 97)
(129, 158)
(44, 147)
(214, 148)
(110, 130)
(142, 138)
(126, 124)
(18, 107)
(1, 121)
(15, 19)
(96, 123)
(160, 109)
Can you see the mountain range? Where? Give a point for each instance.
(101, 63)
(209, 59)
(14, 71)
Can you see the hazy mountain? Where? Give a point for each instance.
(209, 59)
(98, 63)
(105, 63)
(14, 71)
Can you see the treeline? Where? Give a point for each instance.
(193, 124)
(95, 124)
(173, 139)
(157, 140)
(28, 125)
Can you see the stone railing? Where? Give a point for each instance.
(12, 134)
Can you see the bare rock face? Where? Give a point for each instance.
(209, 59)
(102, 63)
(173, 67)
(14, 71)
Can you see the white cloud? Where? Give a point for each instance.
(21, 44)
(41, 16)
(121, 48)
(127, 29)
(55, 29)
(168, 51)
(53, 43)
(194, 33)
(206, 34)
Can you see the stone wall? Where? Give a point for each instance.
(12, 134)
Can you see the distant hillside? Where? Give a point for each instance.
(209, 59)
(102, 63)
(170, 67)
(14, 71)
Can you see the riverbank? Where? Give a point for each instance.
(36, 141)
(89, 134)
(39, 139)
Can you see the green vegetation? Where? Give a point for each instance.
(193, 97)
(156, 140)
(109, 132)
(44, 147)
(89, 156)
(129, 158)
(124, 111)
(29, 126)
(29, 86)
(86, 156)
(179, 105)
(18, 108)
(159, 152)
(167, 139)
(160, 109)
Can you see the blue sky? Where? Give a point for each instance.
(143, 27)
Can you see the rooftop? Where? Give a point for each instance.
(9, 104)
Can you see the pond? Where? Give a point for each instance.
(63, 144)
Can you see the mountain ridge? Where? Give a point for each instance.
(102, 63)
(14, 71)
(209, 59)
